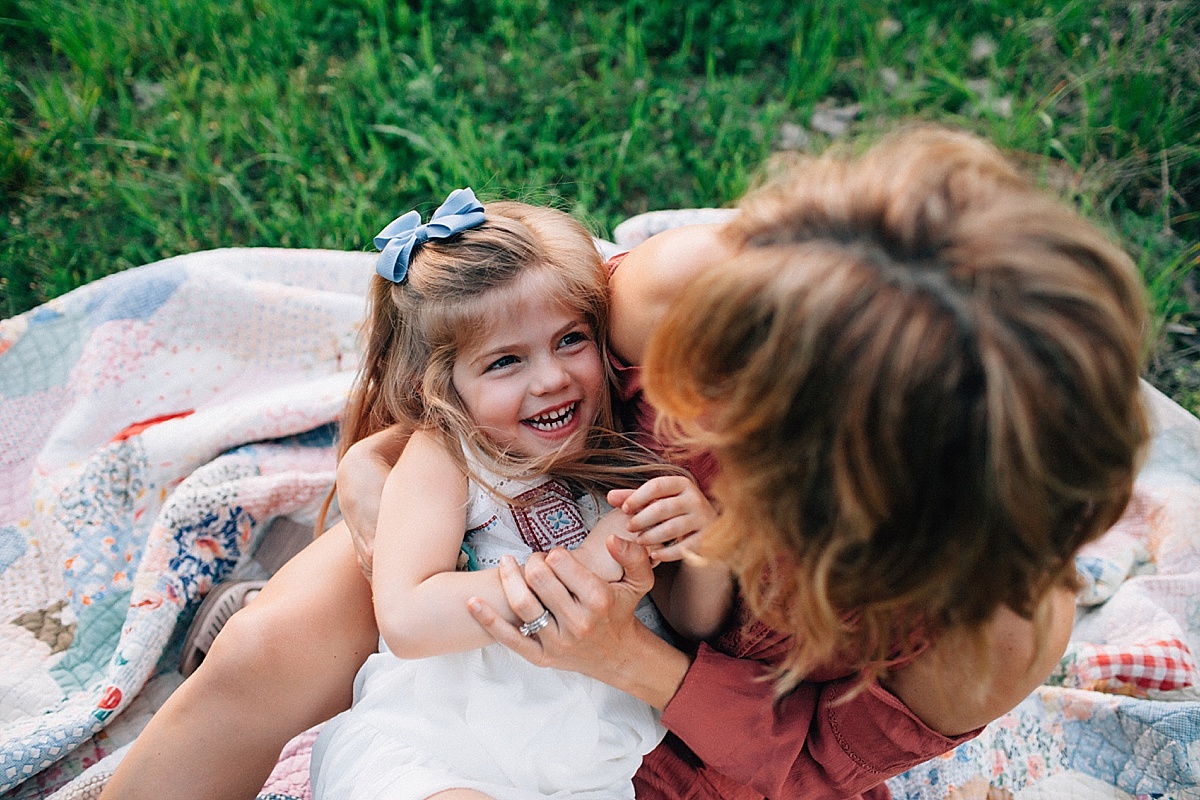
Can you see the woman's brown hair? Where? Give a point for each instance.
(920, 378)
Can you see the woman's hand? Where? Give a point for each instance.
(667, 515)
(593, 630)
(361, 474)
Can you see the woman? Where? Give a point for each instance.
(919, 379)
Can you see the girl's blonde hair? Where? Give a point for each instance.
(416, 329)
(920, 378)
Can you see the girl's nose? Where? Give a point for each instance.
(551, 377)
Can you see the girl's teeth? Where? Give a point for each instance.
(554, 420)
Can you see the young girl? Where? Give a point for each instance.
(486, 339)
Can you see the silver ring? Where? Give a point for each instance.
(530, 628)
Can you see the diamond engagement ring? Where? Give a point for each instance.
(530, 628)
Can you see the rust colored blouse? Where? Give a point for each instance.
(729, 738)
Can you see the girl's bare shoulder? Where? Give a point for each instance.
(428, 451)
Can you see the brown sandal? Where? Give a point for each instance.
(222, 602)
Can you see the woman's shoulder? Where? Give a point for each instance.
(965, 679)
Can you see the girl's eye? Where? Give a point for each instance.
(501, 363)
(573, 338)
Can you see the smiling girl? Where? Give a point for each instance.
(486, 339)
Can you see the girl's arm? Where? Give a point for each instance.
(695, 598)
(593, 551)
(668, 515)
(420, 600)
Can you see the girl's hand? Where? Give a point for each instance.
(593, 630)
(666, 515)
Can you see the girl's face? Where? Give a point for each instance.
(535, 378)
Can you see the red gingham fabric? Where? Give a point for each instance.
(1164, 665)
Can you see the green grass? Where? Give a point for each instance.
(131, 131)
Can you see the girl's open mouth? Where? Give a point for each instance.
(553, 420)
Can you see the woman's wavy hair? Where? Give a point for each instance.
(920, 378)
(416, 329)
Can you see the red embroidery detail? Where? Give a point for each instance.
(492, 520)
(746, 637)
(547, 517)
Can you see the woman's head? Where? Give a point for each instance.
(487, 290)
(920, 378)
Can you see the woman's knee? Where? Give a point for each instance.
(259, 637)
(301, 640)
(267, 663)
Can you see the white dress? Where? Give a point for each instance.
(488, 719)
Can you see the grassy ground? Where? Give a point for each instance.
(131, 130)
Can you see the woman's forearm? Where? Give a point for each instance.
(653, 670)
(361, 475)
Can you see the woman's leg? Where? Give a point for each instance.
(282, 664)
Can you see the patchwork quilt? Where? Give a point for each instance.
(151, 424)
(155, 422)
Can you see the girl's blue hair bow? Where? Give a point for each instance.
(459, 213)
